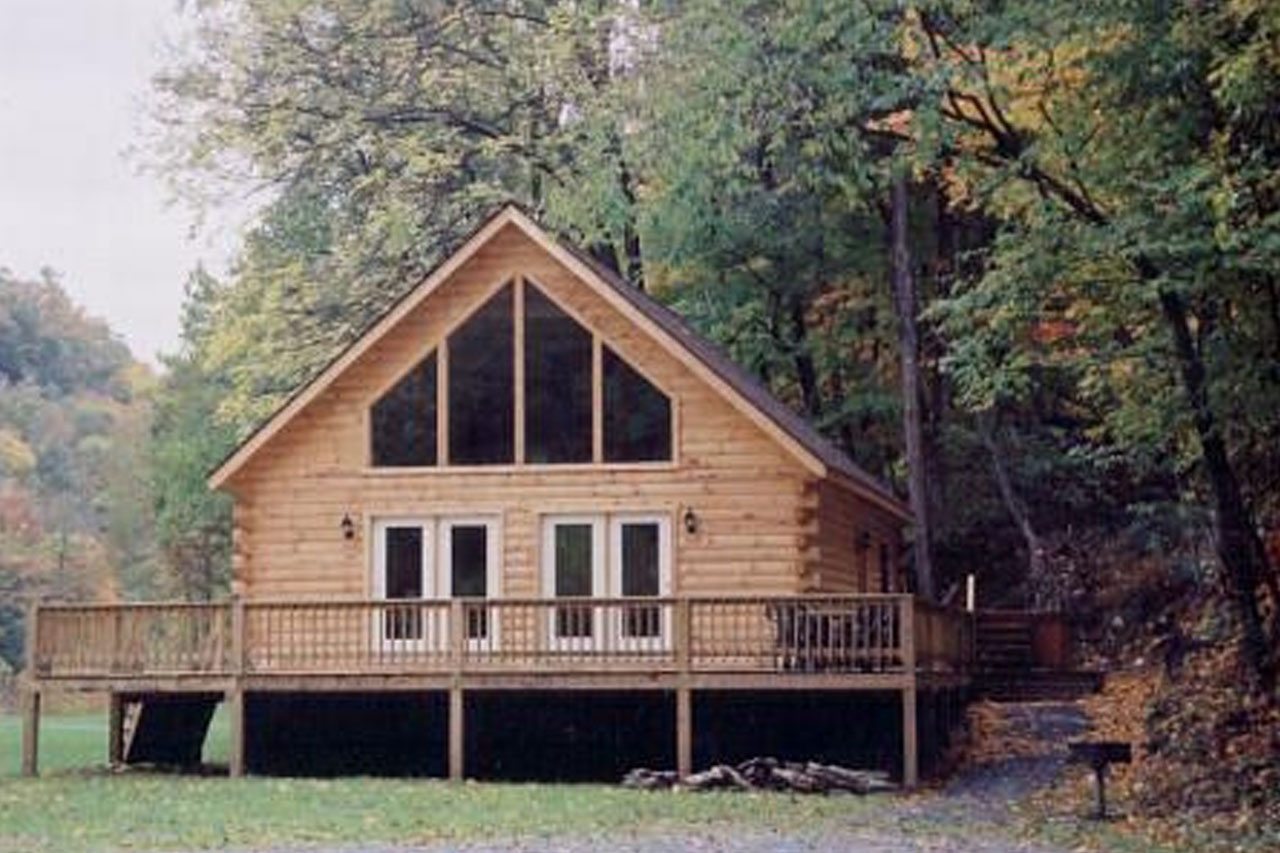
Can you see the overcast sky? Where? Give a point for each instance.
(74, 75)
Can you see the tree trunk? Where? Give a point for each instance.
(806, 370)
(904, 297)
(1036, 563)
(634, 260)
(1239, 546)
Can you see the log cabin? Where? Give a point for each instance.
(527, 476)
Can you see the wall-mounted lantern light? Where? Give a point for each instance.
(690, 521)
(348, 527)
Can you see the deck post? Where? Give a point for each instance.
(239, 648)
(457, 708)
(684, 731)
(235, 696)
(115, 728)
(235, 715)
(910, 735)
(684, 694)
(32, 640)
(30, 729)
(31, 695)
(457, 703)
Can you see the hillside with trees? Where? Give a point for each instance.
(75, 517)
(1018, 259)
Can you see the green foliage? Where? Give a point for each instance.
(73, 496)
(189, 436)
(48, 342)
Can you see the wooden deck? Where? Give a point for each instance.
(678, 644)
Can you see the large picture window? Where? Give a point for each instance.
(524, 382)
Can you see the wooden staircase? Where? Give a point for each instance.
(1023, 656)
(167, 730)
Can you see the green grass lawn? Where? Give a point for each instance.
(79, 742)
(77, 806)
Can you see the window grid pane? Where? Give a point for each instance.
(637, 416)
(482, 386)
(469, 573)
(404, 419)
(574, 562)
(403, 566)
(557, 360)
(640, 570)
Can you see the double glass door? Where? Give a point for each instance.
(432, 559)
(621, 557)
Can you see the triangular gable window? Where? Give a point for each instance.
(403, 420)
(637, 416)
(567, 372)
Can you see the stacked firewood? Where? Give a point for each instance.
(766, 774)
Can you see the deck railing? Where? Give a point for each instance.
(944, 638)
(788, 634)
(132, 639)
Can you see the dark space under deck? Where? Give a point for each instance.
(554, 736)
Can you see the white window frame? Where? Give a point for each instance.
(427, 583)
(493, 571)
(662, 642)
(598, 577)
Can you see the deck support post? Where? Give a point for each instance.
(910, 741)
(457, 704)
(31, 695)
(910, 730)
(457, 709)
(235, 696)
(115, 728)
(235, 714)
(684, 694)
(684, 731)
(31, 730)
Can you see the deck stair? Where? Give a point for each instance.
(167, 730)
(1012, 665)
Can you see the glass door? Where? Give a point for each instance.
(402, 578)
(573, 568)
(469, 570)
(640, 566)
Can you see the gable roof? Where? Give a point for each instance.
(736, 385)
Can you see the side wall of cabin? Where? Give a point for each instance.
(764, 522)
(860, 545)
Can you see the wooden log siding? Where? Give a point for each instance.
(847, 563)
(794, 635)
